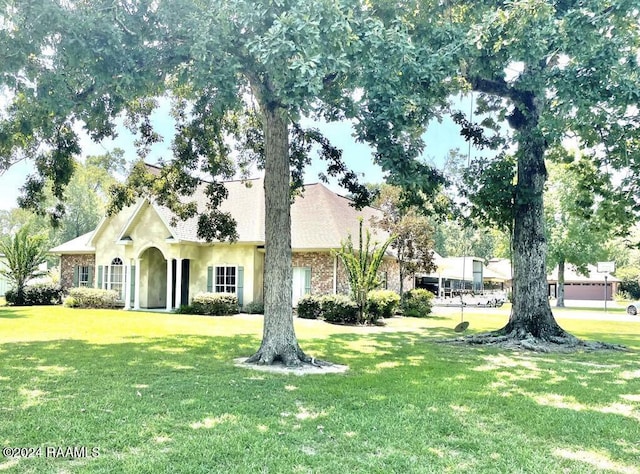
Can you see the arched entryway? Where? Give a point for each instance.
(158, 282)
(153, 279)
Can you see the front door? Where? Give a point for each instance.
(184, 298)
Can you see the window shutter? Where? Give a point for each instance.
(90, 278)
(100, 270)
(240, 286)
(133, 285)
(209, 279)
(307, 281)
(76, 276)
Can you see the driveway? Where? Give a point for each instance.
(572, 310)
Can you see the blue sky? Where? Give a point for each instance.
(440, 138)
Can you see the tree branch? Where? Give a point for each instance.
(502, 89)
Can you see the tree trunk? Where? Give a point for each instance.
(560, 301)
(531, 315)
(279, 342)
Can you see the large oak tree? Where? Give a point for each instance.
(554, 71)
(232, 69)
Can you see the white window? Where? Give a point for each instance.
(116, 276)
(225, 280)
(84, 273)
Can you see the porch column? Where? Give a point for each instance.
(169, 278)
(335, 275)
(127, 287)
(178, 282)
(136, 290)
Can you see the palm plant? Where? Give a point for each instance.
(24, 253)
(362, 267)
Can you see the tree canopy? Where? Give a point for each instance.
(229, 68)
(581, 216)
(553, 71)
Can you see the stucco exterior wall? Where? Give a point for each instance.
(148, 246)
(224, 254)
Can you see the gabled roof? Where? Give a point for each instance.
(321, 219)
(245, 202)
(79, 245)
(131, 222)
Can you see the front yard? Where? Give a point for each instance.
(159, 393)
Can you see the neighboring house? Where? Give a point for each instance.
(453, 274)
(153, 261)
(498, 274)
(583, 287)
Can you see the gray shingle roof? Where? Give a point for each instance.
(321, 219)
(79, 245)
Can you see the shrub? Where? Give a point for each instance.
(255, 307)
(92, 298)
(185, 309)
(309, 307)
(38, 294)
(630, 285)
(339, 309)
(215, 304)
(381, 304)
(14, 298)
(417, 303)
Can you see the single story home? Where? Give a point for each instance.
(452, 275)
(583, 287)
(153, 261)
(498, 274)
(470, 273)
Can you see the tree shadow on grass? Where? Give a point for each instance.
(153, 403)
(13, 313)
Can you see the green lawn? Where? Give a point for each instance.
(159, 393)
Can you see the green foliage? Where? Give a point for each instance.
(381, 304)
(630, 284)
(339, 309)
(219, 63)
(310, 307)
(86, 194)
(214, 304)
(37, 294)
(362, 265)
(255, 307)
(417, 303)
(579, 214)
(413, 232)
(24, 253)
(95, 298)
(490, 185)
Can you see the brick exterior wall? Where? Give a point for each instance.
(322, 265)
(67, 264)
